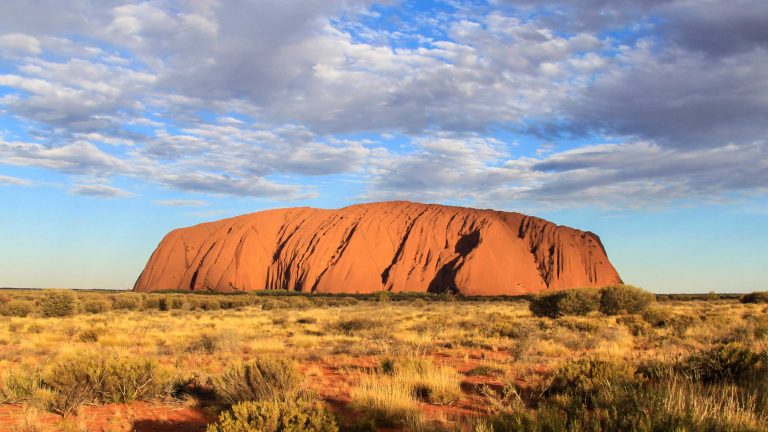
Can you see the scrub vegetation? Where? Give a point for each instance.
(610, 359)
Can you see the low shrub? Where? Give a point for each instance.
(58, 303)
(89, 335)
(356, 326)
(729, 362)
(636, 324)
(126, 301)
(618, 299)
(19, 385)
(755, 297)
(263, 378)
(275, 416)
(275, 304)
(17, 308)
(204, 343)
(151, 302)
(588, 379)
(96, 306)
(210, 305)
(569, 302)
(658, 316)
(94, 377)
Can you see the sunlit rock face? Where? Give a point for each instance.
(395, 246)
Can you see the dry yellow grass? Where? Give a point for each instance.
(432, 345)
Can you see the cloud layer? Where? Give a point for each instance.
(483, 103)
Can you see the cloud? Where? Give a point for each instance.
(181, 203)
(75, 158)
(264, 99)
(99, 191)
(19, 43)
(682, 99)
(443, 168)
(13, 181)
(613, 175)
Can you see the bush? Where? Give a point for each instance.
(585, 379)
(58, 303)
(18, 308)
(755, 297)
(353, 326)
(210, 304)
(206, 343)
(624, 298)
(264, 378)
(569, 302)
(126, 301)
(18, 385)
(151, 302)
(273, 416)
(275, 304)
(89, 335)
(731, 362)
(92, 377)
(96, 306)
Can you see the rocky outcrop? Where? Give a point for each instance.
(395, 246)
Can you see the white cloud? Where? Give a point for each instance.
(19, 43)
(261, 98)
(13, 181)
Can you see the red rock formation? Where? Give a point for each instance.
(397, 246)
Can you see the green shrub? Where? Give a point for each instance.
(587, 379)
(210, 304)
(126, 301)
(89, 335)
(206, 343)
(636, 324)
(151, 302)
(658, 316)
(731, 362)
(274, 416)
(357, 325)
(755, 297)
(18, 308)
(58, 303)
(569, 302)
(264, 378)
(275, 304)
(96, 306)
(624, 298)
(19, 385)
(93, 377)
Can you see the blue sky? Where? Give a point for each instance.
(644, 122)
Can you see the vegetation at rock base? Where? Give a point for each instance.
(590, 362)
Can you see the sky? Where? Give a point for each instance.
(643, 121)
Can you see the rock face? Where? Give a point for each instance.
(395, 246)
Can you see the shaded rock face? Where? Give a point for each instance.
(394, 246)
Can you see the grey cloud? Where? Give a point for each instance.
(181, 203)
(99, 191)
(76, 158)
(19, 43)
(223, 184)
(720, 28)
(443, 168)
(620, 175)
(680, 100)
